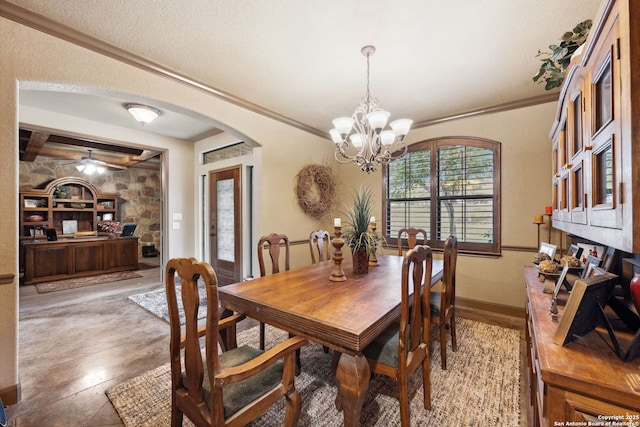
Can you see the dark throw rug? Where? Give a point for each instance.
(156, 302)
(62, 285)
(479, 388)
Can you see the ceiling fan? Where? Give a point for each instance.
(90, 165)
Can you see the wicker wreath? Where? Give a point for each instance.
(316, 190)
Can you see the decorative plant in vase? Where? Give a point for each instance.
(62, 192)
(554, 65)
(357, 234)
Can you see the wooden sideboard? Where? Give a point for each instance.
(583, 381)
(69, 258)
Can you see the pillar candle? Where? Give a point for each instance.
(337, 222)
(547, 210)
(537, 219)
(372, 219)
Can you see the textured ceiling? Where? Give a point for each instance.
(301, 59)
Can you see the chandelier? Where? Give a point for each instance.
(363, 138)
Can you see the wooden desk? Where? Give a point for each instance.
(69, 258)
(345, 316)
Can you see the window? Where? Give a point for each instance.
(446, 186)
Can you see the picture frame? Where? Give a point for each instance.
(107, 217)
(52, 235)
(584, 307)
(548, 249)
(31, 203)
(590, 249)
(69, 226)
(574, 251)
(560, 282)
(108, 204)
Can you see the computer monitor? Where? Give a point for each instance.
(128, 230)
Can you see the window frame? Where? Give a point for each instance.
(432, 145)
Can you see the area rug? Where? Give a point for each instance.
(479, 388)
(63, 285)
(156, 302)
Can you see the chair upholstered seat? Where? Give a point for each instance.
(435, 299)
(384, 348)
(240, 394)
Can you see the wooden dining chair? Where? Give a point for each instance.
(404, 347)
(272, 242)
(412, 237)
(229, 388)
(319, 245)
(443, 308)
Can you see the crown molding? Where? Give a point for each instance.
(514, 105)
(63, 32)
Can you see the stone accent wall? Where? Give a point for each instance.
(139, 189)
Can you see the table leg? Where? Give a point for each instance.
(352, 377)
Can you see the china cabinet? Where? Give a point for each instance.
(596, 133)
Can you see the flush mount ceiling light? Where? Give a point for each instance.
(142, 113)
(363, 138)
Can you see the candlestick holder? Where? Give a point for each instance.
(337, 274)
(373, 259)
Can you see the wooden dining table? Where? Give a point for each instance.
(344, 316)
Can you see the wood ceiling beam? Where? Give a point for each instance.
(59, 139)
(34, 146)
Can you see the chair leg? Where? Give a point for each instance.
(262, 338)
(176, 417)
(293, 407)
(443, 346)
(403, 398)
(454, 342)
(426, 380)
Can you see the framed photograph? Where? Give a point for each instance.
(548, 249)
(31, 203)
(574, 251)
(589, 249)
(52, 236)
(584, 307)
(69, 226)
(106, 204)
(107, 217)
(560, 282)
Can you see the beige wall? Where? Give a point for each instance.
(32, 59)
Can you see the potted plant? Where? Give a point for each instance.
(357, 234)
(554, 65)
(61, 192)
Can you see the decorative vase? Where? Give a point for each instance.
(360, 261)
(634, 290)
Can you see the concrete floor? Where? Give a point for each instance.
(76, 344)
